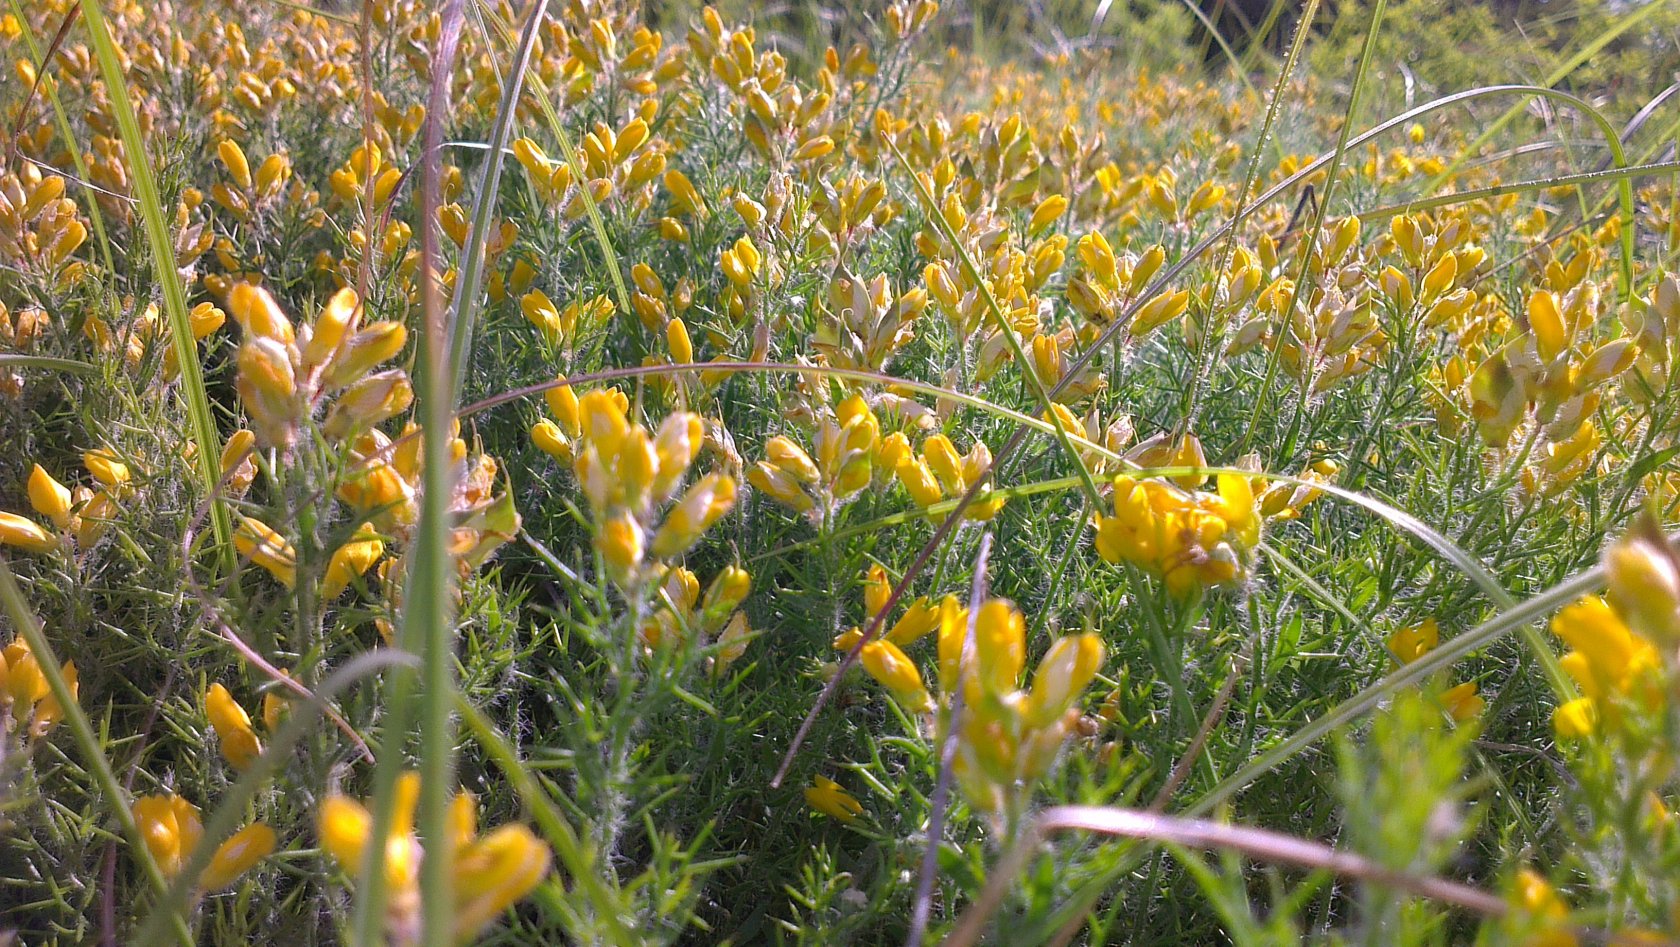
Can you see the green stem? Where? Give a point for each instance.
(81, 730)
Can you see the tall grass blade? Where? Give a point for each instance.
(87, 741)
(156, 224)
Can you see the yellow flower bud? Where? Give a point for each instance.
(919, 480)
(493, 873)
(371, 346)
(262, 545)
(171, 827)
(25, 534)
(369, 402)
(551, 441)
(1545, 320)
(894, 670)
(240, 745)
(1409, 644)
(700, 507)
(48, 711)
(826, 796)
(684, 198)
(106, 467)
(541, 312)
(1159, 311)
(343, 828)
(1643, 576)
(563, 404)
(1000, 641)
(49, 498)
(205, 319)
(258, 314)
(784, 453)
(350, 560)
(96, 513)
(678, 443)
(1576, 720)
(677, 341)
(780, 485)
(814, 148)
(620, 543)
(233, 158)
(337, 319)
(239, 854)
(1046, 213)
(1067, 669)
(1462, 703)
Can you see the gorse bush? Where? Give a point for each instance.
(564, 472)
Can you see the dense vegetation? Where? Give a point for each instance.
(568, 472)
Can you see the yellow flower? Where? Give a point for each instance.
(1536, 898)
(239, 854)
(541, 312)
(491, 872)
(352, 559)
(1192, 539)
(1046, 213)
(1576, 720)
(889, 665)
(550, 440)
(172, 829)
(233, 158)
(233, 727)
(620, 542)
(50, 498)
(1462, 702)
(258, 314)
(1415, 641)
(826, 796)
(25, 534)
(267, 548)
(1064, 673)
(495, 872)
(1642, 573)
(25, 686)
(1608, 658)
(704, 504)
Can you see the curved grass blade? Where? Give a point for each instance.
(1001, 322)
(567, 148)
(1517, 187)
(164, 268)
(87, 741)
(67, 365)
(231, 809)
(470, 278)
(1521, 616)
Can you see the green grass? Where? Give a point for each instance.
(652, 778)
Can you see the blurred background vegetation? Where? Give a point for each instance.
(1425, 45)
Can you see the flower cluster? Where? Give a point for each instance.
(1192, 539)
(27, 704)
(78, 517)
(631, 476)
(492, 871)
(172, 828)
(1009, 733)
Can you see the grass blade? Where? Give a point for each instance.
(470, 278)
(87, 741)
(156, 224)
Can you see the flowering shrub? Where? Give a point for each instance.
(423, 410)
